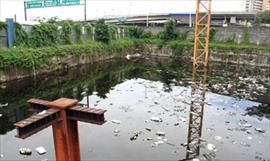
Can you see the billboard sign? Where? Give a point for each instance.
(50, 3)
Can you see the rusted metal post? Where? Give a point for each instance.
(65, 132)
(63, 114)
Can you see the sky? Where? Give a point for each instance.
(112, 8)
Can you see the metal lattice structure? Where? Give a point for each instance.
(199, 76)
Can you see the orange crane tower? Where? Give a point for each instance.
(199, 76)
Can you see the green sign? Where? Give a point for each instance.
(50, 3)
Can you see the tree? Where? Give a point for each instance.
(170, 31)
(102, 31)
(262, 17)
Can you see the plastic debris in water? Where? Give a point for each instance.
(156, 119)
(95, 93)
(160, 133)
(134, 137)
(4, 105)
(25, 151)
(148, 129)
(1, 115)
(149, 139)
(260, 130)
(116, 132)
(116, 121)
(41, 150)
(156, 143)
(182, 119)
(211, 147)
(1, 155)
(249, 138)
(195, 159)
(218, 138)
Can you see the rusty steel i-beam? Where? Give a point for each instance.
(63, 115)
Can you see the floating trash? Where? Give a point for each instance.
(4, 105)
(195, 159)
(149, 139)
(245, 144)
(182, 119)
(1, 115)
(41, 150)
(116, 132)
(95, 93)
(160, 133)
(218, 138)
(157, 143)
(134, 137)
(184, 144)
(148, 129)
(260, 130)
(156, 119)
(25, 151)
(249, 138)
(116, 121)
(211, 147)
(1, 155)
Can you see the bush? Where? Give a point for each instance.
(183, 35)
(112, 32)
(135, 32)
(89, 30)
(170, 31)
(102, 31)
(262, 17)
(22, 38)
(66, 36)
(213, 32)
(78, 31)
(45, 34)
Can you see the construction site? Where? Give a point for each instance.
(189, 86)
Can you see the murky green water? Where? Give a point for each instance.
(133, 92)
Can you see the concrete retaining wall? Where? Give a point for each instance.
(258, 35)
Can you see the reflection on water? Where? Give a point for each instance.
(134, 92)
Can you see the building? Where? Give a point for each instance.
(266, 5)
(254, 5)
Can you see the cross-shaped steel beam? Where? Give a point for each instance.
(63, 115)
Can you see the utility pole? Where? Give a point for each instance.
(85, 14)
(25, 11)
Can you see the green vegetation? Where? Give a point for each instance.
(231, 38)
(246, 36)
(66, 36)
(22, 38)
(32, 50)
(3, 25)
(78, 31)
(170, 31)
(263, 17)
(89, 30)
(213, 32)
(44, 34)
(34, 57)
(102, 31)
